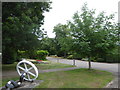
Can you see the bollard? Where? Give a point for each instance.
(57, 60)
(74, 62)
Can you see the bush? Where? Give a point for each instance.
(100, 60)
(74, 56)
(32, 54)
(70, 57)
(77, 56)
(60, 53)
(113, 58)
(22, 54)
(41, 54)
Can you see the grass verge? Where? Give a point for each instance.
(12, 68)
(79, 78)
(6, 67)
(51, 65)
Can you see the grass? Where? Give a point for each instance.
(51, 65)
(12, 67)
(79, 78)
(4, 81)
(6, 67)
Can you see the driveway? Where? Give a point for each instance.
(84, 64)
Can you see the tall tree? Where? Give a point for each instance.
(92, 36)
(21, 22)
(63, 38)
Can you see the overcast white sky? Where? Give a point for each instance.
(63, 10)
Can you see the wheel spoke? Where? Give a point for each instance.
(21, 68)
(30, 68)
(25, 66)
(32, 74)
(28, 76)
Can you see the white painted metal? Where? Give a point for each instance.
(30, 76)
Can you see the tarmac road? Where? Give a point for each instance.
(84, 64)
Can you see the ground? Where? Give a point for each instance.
(66, 77)
(110, 67)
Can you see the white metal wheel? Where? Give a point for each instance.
(30, 70)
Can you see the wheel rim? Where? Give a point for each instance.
(28, 68)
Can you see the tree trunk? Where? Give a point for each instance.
(65, 55)
(89, 62)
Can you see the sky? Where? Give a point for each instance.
(63, 10)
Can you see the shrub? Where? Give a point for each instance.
(22, 54)
(100, 60)
(60, 53)
(93, 59)
(41, 54)
(74, 56)
(113, 58)
(32, 54)
(77, 56)
(70, 57)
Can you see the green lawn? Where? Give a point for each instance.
(12, 67)
(6, 67)
(51, 65)
(79, 78)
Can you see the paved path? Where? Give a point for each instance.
(113, 68)
(84, 64)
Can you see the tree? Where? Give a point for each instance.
(63, 38)
(92, 36)
(21, 22)
(48, 44)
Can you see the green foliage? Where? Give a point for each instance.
(63, 39)
(87, 35)
(100, 60)
(70, 57)
(93, 36)
(22, 54)
(75, 56)
(31, 54)
(41, 54)
(12, 58)
(114, 56)
(21, 22)
(35, 54)
(48, 44)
